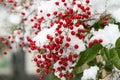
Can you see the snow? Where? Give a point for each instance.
(41, 37)
(116, 15)
(90, 73)
(109, 34)
(14, 19)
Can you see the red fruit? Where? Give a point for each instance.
(4, 52)
(35, 59)
(95, 41)
(87, 1)
(67, 44)
(89, 13)
(104, 22)
(46, 71)
(70, 75)
(106, 18)
(41, 76)
(23, 13)
(57, 40)
(61, 37)
(61, 51)
(10, 1)
(100, 40)
(72, 32)
(63, 0)
(55, 13)
(70, 57)
(58, 69)
(88, 8)
(71, 27)
(53, 70)
(76, 46)
(10, 47)
(90, 44)
(68, 39)
(73, 2)
(39, 56)
(44, 56)
(65, 4)
(75, 55)
(57, 3)
(49, 37)
(48, 15)
(37, 70)
(60, 75)
(49, 55)
(82, 36)
(15, 4)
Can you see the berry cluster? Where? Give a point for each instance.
(58, 55)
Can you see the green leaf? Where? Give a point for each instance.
(118, 50)
(117, 44)
(108, 67)
(115, 58)
(98, 25)
(89, 54)
(105, 54)
(118, 25)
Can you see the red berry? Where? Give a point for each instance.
(61, 51)
(37, 70)
(89, 13)
(55, 13)
(106, 18)
(67, 44)
(4, 52)
(60, 75)
(57, 3)
(23, 13)
(73, 32)
(63, 0)
(90, 44)
(95, 41)
(39, 56)
(104, 22)
(87, 1)
(75, 55)
(10, 1)
(76, 46)
(35, 59)
(68, 39)
(100, 40)
(41, 76)
(48, 15)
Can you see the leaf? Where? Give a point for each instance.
(105, 54)
(115, 58)
(117, 44)
(98, 26)
(118, 50)
(108, 67)
(118, 25)
(89, 54)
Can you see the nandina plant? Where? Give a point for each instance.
(71, 41)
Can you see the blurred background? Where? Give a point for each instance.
(17, 66)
